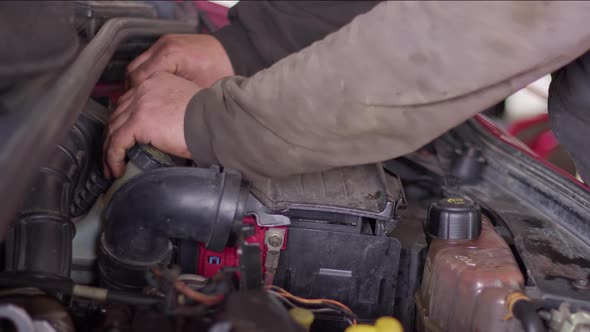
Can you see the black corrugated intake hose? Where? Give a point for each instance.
(36, 125)
(40, 239)
(91, 183)
(524, 310)
(143, 215)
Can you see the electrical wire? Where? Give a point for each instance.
(308, 301)
(287, 298)
(192, 294)
(317, 311)
(326, 303)
(284, 300)
(293, 305)
(197, 296)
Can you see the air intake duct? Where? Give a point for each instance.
(147, 211)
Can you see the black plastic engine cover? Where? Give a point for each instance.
(358, 270)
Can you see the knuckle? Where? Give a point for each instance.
(165, 38)
(168, 41)
(135, 80)
(129, 67)
(165, 45)
(116, 149)
(169, 48)
(131, 75)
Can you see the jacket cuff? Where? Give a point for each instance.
(242, 54)
(196, 130)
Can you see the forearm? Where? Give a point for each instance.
(384, 85)
(263, 32)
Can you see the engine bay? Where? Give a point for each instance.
(469, 233)
(174, 247)
(319, 236)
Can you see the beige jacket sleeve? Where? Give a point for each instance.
(384, 85)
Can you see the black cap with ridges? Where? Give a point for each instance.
(453, 219)
(146, 157)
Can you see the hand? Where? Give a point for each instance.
(197, 58)
(151, 113)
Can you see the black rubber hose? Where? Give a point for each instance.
(66, 286)
(181, 203)
(36, 125)
(40, 239)
(526, 313)
(91, 184)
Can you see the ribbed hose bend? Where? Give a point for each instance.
(40, 239)
(182, 203)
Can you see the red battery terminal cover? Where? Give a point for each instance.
(210, 262)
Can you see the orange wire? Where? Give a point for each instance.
(191, 293)
(286, 294)
(210, 300)
(196, 296)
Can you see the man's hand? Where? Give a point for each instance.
(197, 58)
(151, 113)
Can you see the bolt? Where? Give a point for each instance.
(582, 284)
(275, 240)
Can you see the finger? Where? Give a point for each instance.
(127, 95)
(105, 167)
(117, 122)
(158, 63)
(139, 61)
(121, 140)
(105, 145)
(122, 106)
(143, 57)
(114, 126)
(105, 170)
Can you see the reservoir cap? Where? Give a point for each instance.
(453, 218)
(146, 157)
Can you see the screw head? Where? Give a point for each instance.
(275, 240)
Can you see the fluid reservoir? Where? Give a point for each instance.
(141, 158)
(469, 272)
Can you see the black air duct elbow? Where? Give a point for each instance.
(146, 212)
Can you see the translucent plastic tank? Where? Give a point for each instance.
(465, 285)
